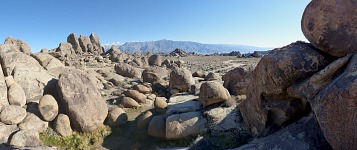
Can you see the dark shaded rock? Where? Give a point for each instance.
(335, 108)
(237, 80)
(157, 127)
(267, 102)
(117, 116)
(304, 134)
(330, 25)
(213, 77)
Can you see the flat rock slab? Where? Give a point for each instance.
(182, 98)
(187, 124)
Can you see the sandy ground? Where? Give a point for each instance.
(217, 64)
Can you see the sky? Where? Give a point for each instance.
(46, 23)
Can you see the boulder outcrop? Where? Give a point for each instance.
(267, 100)
(237, 80)
(82, 102)
(181, 79)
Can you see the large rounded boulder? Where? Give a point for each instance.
(213, 92)
(181, 79)
(267, 100)
(81, 100)
(330, 25)
(127, 70)
(237, 80)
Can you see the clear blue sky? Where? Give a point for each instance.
(46, 23)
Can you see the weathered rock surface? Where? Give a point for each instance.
(18, 45)
(82, 101)
(97, 46)
(117, 116)
(160, 102)
(154, 74)
(47, 61)
(114, 54)
(6, 131)
(142, 88)
(144, 120)
(73, 39)
(155, 60)
(308, 88)
(199, 74)
(181, 79)
(183, 104)
(12, 114)
(48, 107)
(128, 102)
(27, 72)
(32, 122)
(184, 125)
(3, 91)
(237, 80)
(330, 26)
(212, 77)
(335, 108)
(304, 134)
(84, 42)
(15, 93)
(62, 125)
(267, 99)
(213, 92)
(65, 48)
(137, 96)
(223, 121)
(127, 70)
(26, 138)
(157, 127)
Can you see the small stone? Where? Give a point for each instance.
(48, 107)
(32, 122)
(26, 138)
(160, 102)
(128, 102)
(12, 114)
(142, 89)
(136, 95)
(117, 116)
(62, 125)
(16, 94)
(144, 120)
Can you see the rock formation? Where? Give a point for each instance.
(330, 26)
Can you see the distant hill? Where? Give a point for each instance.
(167, 46)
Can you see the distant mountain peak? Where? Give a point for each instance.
(167, 46)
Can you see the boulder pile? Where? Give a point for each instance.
(301, 78)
